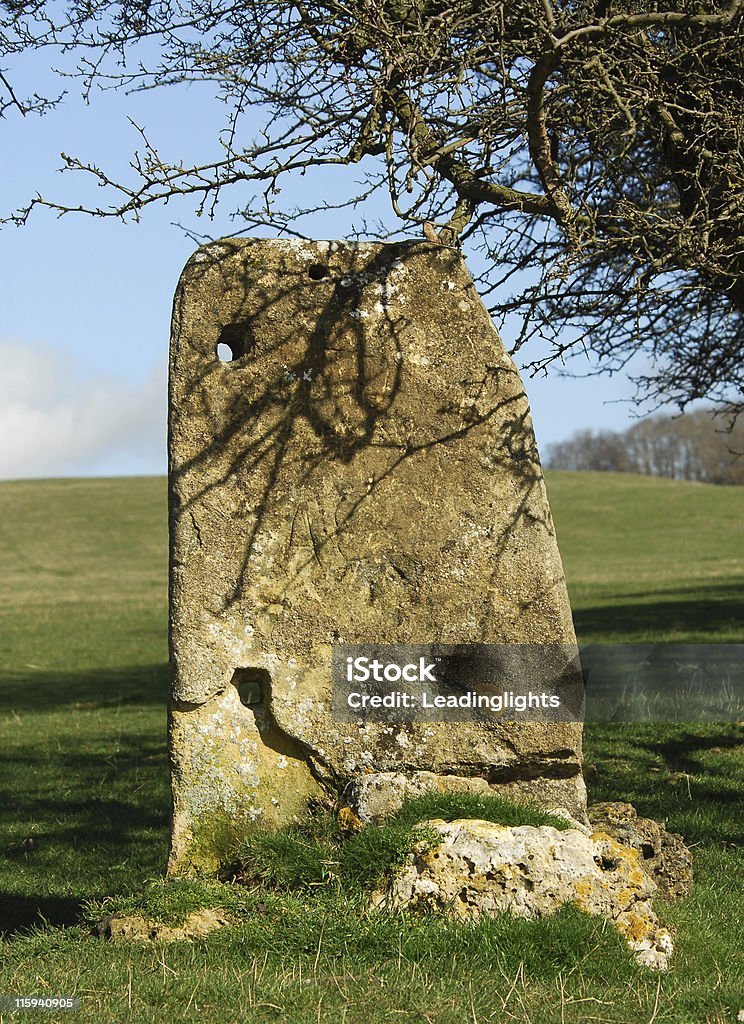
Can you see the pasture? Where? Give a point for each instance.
(84, 790)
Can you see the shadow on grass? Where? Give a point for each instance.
(22, 913)
(88, 848)
(690, 776)
(84, 790)
(682, 752)
(707, 610)
(43, 690)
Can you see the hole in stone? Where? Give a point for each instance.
(647, 850)
(235, 340)
(317, 271)
(252, 685)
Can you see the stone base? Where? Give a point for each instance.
(378, 795)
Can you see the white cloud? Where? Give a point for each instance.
(58, 419)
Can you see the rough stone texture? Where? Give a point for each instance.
(478, 868)
(135, 928)
(364, 470)
(379, 795)
(662, 855)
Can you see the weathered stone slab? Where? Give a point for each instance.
(363, 470)
(135, 928)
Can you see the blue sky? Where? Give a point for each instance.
(86, 302)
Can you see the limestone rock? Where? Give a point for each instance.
(662, 855)
(378, 795)
(478, 868)
(135, 928)
(360, 469)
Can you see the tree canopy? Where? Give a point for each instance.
(591, 150)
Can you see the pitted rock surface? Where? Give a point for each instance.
(662, 855)
(478, 868)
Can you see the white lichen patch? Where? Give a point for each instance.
(479, 869)
(211, 252)
(230, 642)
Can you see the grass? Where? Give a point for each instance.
(468, 805)
(651, 559)
(321, 852)
(83, 677)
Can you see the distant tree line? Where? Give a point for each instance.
(697, 446)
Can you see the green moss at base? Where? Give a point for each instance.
(213, 842)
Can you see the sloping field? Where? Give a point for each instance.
(651, 559)
(83, 786)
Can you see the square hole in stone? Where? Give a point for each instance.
(252, 685)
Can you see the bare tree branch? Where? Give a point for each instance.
(592, 153)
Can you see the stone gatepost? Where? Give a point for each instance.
(351, 461)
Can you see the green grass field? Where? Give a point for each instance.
(83, 676)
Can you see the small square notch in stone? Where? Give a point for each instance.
(253, 685)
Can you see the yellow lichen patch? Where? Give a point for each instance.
(480, 828)
(635, 927)
(348, 821)
(428, 855)
(584, 887)
(603, 837)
